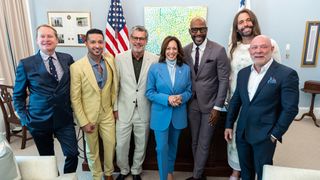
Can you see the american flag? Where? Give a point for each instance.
(117, 38)
(244, 4)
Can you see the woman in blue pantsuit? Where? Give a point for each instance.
(168, 89)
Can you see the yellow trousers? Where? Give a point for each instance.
(105, 128)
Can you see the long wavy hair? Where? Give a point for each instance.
(164, 46)
(236, 37)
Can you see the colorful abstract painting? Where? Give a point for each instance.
(175, 21)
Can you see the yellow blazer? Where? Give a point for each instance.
(86, 96)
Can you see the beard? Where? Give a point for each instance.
(246, 33)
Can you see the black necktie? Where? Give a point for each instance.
(196, 62)
(52, 69)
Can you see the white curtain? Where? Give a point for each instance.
(15, 37)
(15, 40)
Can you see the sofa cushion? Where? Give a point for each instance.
(37, 167)
(9, 168)
(283, 173)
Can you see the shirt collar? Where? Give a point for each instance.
(92, 62)
(263, 68)
(201, 47)
(46, 56)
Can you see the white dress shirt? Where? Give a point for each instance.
(202, 47)
(255, 78)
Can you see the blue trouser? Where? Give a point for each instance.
(252, 157)
(167, 145)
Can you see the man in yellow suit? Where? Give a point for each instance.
(93, 94)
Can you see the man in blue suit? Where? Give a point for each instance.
(45, 77)
(267, 98)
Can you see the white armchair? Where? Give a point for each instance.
(41, 168)
(284, 173)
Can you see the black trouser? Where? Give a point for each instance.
(66, 135)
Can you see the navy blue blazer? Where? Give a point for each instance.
(47, 97)
(271, 110)
(159, 88)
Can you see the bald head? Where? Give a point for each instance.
(261, 51)
(198, 19)
(261, 38)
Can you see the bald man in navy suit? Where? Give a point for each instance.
(267, 98)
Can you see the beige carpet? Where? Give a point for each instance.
(300, 149)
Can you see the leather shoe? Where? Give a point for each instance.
(108, 177)
(121, 177)
(192, 178)
(136, 177)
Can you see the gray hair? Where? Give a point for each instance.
(139, 28)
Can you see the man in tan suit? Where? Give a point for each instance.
(93, 94)
(133, 107)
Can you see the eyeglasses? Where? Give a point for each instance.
(202, 30)
(138, 38)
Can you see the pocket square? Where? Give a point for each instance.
(272, 80)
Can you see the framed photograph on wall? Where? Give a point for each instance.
(71, 26)
(311, 44)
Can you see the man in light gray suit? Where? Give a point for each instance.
(133, 107)
(210, 77)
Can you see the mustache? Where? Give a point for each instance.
(251, 27)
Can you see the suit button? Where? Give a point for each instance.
(134, 101)
(137, 90)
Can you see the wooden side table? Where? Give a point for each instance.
(312, 87)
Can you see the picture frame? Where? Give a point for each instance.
(71, 26)
(311, 44)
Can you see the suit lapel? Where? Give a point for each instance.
(111, 65)
(65, 69)
(178, 78)
(189, 59)
(265, 78)
(245, 83)
(204, 57)
(144, 66)
(164, 74)
(129, 65)
(87, 69)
